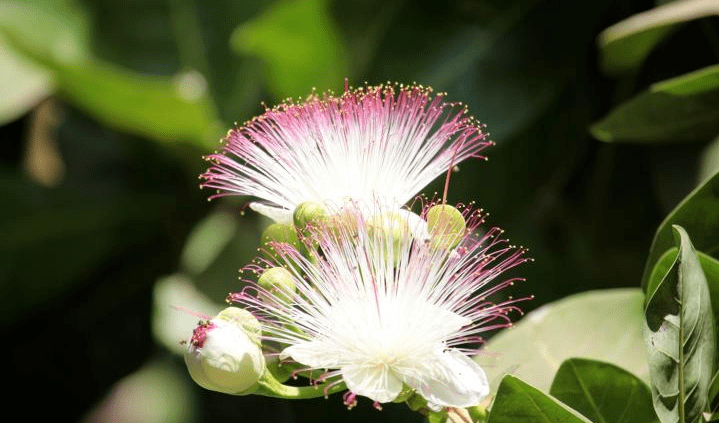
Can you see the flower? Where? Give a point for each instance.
(380, 310)
(371, 144)
(224, 353)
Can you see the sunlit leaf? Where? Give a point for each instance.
(519, 402)
(626, 44)
(681, 337)
(535, 347)
(603, 392)
(698, 214)
(299, 44)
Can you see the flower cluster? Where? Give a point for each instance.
(355, 291)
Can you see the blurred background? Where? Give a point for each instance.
(107, 107)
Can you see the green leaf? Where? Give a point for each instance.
(22, 84)
(518, 402)
(701, 80)
(300, 45)
(164, 108)
(626, 44)
(536, 346)
(681, 337)
(653, 117)
(710, 266)
(699, 214)
(603, 392)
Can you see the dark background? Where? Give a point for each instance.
(107, 107)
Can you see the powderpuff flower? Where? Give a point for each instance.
(382, 311)
(374, 144)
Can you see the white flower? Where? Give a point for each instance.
(370, 144)
(224, 354)
(380, 310)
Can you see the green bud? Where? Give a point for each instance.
(243, 318)
(279, 282)
(309, 213)
(390, 226)
(446, 226)
(224, 354)
(279, 233)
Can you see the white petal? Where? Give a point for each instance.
(374, 382)
(278, 214)
(453, 380)
(313, 354)
(417, 225)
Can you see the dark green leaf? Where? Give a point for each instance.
(654, 117)
(705, 79)
(518, 402)
(299, 44)
(699, 214)
(603, 392)
(535, 347)
(626, 44)
(681, 337)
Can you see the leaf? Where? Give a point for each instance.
(701, 80)
(534, 348)
(22, 84)
(710, 266)
(299, 44)
(518, 402)
(626, 44)
(497, 66)
(698, 213)
(164, 108)
(653, 117)
(603, 392)
(681, 337)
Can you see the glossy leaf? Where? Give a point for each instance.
(654, 117)
(681, 337)
(603, 392)
(626, 44)
(538, 344)
(299, 44)
(699, 81)
(698, 213)
(519, 402)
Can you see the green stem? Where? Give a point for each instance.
(270, 387)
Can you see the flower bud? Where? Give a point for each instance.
(279, 282)
(224, 353)
(280, 233)
(309, 213)
(390, 226)
(446, 226)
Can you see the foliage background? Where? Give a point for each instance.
(107, 107)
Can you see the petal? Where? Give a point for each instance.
(278, 214)
(452, 380)
(374, 382)
(312, 354)
(417, 225)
